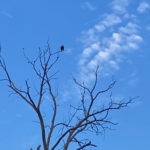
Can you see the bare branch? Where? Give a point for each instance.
(95, 121)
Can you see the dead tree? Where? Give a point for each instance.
(96, 121)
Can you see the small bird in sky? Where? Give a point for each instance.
(62, 48)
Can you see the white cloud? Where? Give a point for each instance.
(6, 14)
(96, 46)
(131, 16)
(87, 52)
(88, 5)
(143, 7)
(130, 28)
(134, 37)
(102, 56)
(108, 53)
(89, 37)
(99, 27)
(119, 6)
(82, 61)
(127, 16)
(114, 64)
(116, 38)
(110, 20)
(133, 45)
(92, 35)
(108, 50)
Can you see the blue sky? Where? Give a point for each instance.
(113, 33)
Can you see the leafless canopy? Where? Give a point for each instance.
(95, 121)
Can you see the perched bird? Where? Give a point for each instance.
(62, 48)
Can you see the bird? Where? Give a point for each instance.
(62, 48)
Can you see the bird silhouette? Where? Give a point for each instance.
(62, 48)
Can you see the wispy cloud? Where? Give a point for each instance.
(6, 14)
(92, 35)
(110, 20)
(108, 51)
(130, 28)
(127, 16)
(119, 6)
(143, 7)
(88, 5)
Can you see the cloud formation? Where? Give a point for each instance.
(92, 35)
(88, 5)
(108, 51)
(119, 6)
(143, 7)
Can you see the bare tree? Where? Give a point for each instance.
(95, 121)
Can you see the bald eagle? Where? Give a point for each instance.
(62, 48)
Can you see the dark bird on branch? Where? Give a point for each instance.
(62, 48)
